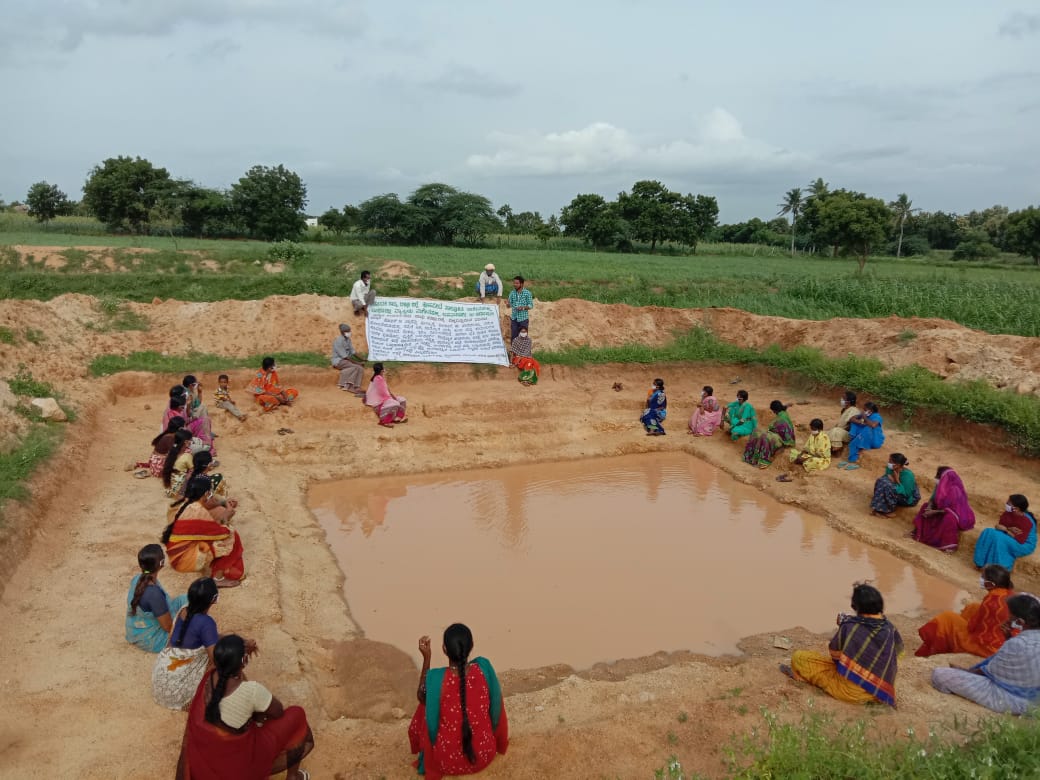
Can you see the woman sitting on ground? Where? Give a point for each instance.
(816, 456)
(178, 407)
(194, 406)
(161, 446)
(979, 628)
(389, 408)
(201, 463)
(189, 650)
(895, 488)
(460, 723)
(862, 665)
(528, 368)
(839, 434)
(941, 519)
(179, 461)
(866, 432)
(266, 389)
(148, 607)
(198, 538)
(237, 729)
(1013, 536)
(740, 416)
(764, 444)
(708, 414)
(1009, 680)
(656, 410)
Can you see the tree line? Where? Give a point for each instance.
(133, 195)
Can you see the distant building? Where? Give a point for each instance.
(311, 221)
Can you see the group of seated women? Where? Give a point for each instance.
(1003, 629)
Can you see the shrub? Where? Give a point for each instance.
(288, 251)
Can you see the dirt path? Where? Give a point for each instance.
(77, 696)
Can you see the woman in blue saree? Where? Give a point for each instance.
(866, 432)
(148, 607)
(656, 410)
(1013, 536)
(740, 416)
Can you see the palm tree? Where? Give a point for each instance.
(902, 207)
(792, 204)
(818, 188)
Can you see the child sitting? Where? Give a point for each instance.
(223, 398)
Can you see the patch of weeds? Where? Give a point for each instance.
(741, 709)
(288, 252)
(116, 315)
(560, 719)
(673, 738)
(479, 370)
(198, 362)
(24, 383)
(905, 337)
(7, 336)
(75, 260)
(18, 465)
(34, 336)
(671, 771)
(683, 717)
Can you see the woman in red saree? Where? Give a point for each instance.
(942, 518)
(266, 389)
(460, 723)
(198, 538)
(237, 730)
(979, 629)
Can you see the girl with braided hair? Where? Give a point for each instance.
(189, 649)
(148, 607)
(223, 737)
(200, 538)
(178, 462)
(460, 723)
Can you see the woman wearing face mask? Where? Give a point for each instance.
(979, 628)
(816, 456)
(708, 414)
(764, 444)
(740, 416)
(867, 432)
(1013, 536)
(942, 518)
(1009, 680)
(656, 410)
(895, 488)
(839, 435)
(522, 358)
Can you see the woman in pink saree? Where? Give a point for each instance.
(941, 519)
(708, 414)
(389, 408)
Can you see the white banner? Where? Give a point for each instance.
(422, 331)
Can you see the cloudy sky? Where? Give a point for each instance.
(533, 102)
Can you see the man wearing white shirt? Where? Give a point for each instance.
(362, 295)
(488, 283)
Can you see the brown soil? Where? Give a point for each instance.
(76, 695)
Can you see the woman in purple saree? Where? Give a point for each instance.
(941, 519)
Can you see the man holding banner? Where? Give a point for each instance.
(520, 303)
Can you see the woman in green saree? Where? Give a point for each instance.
(740, 416)
(764, 444)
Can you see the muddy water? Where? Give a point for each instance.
(596, 560)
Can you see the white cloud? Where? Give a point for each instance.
(719, 143)
(1020, 25)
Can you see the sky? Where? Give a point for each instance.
(530, 103)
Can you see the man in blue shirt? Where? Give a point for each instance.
(520, 303)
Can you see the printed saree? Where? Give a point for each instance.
(951, 499)
(978, 629)
(763, 445)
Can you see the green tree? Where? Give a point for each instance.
(46, 201)
(902, 209)
(337, 221)
(122, 191)
(526, 223)
(697, 217)
(465, 215)
(652, 212)
(792, 204)
(548, 230)
(1023, 233)
(386, 214)
(608, 229)
(578, 215)
(204, 211)
(429, 201)
(854, 223)
(505, 213)
(941, 230)
(269, 202)
(975, 245)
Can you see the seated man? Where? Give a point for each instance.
(345, 359)
(266, 389)
(488, 283)
(362, 295)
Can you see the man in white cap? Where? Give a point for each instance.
(345, 359)
(488, 283)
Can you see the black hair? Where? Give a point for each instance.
(659, 383)
(708, 389)
(180, 438)
(519, 278)
(175, 424)
(377, 369)
(229, 653)
(867, 600)
(776, 407)
(871, 406)
(200, 598)
(365, 273)
(189, 380)
(196, 488)
(223, 376)
(178, 390)
(1019, 501)
(998, 575)
(942, 470)
(178, 401)
(899, 459)
(199, 463)
(267, 363)
(816, 424)
(149, 558)
(1026, 607)
(850, 397)
(458, 644)
(743, 395)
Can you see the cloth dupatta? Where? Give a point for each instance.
(434, 683)
(951, 496)
(864, 650)
(378, 392)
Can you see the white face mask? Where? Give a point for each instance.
(843, 402)
(982, 582)
(1017, 625)
(523, 335)
(1008, 508)
(891, 466)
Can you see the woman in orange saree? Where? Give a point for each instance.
(198, 538)
(266, 389)
(979, 628)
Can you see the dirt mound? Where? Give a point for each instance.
(53, 257)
